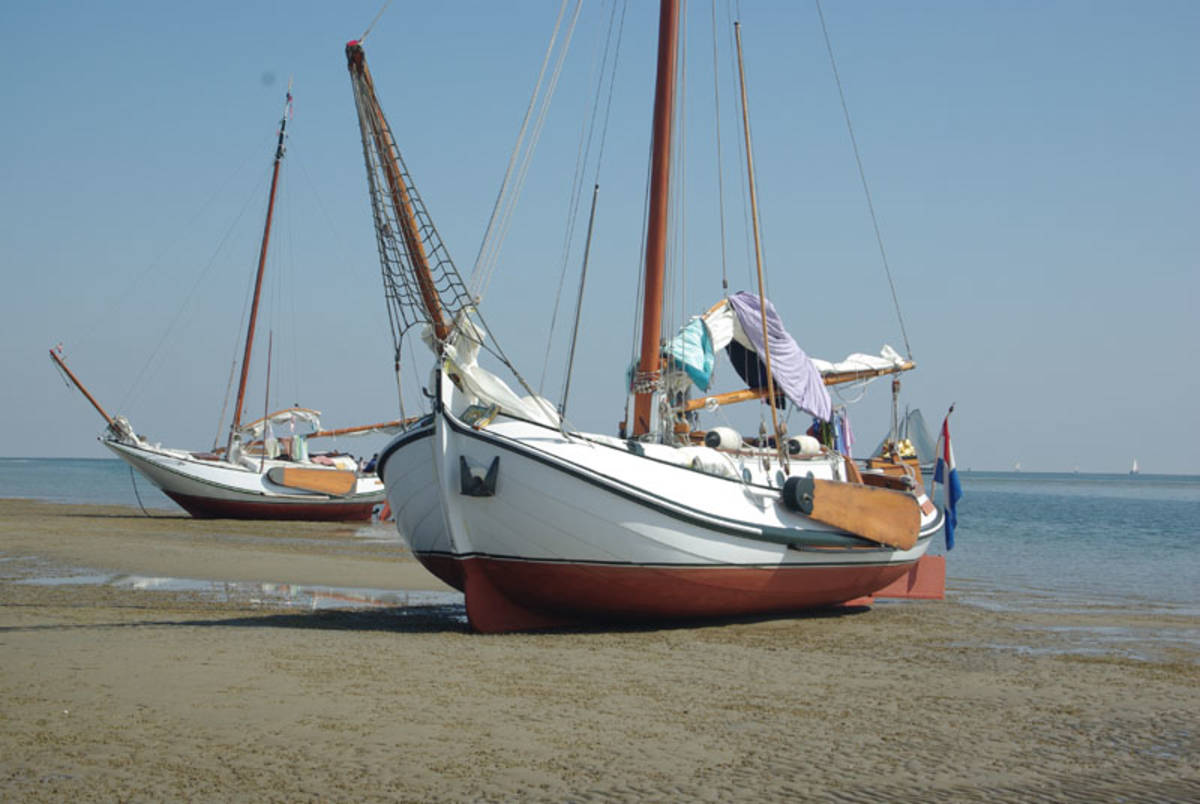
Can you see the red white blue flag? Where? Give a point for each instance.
(946, 474)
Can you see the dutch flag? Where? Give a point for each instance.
(947, 475)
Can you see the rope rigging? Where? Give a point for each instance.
(863, 177)
(720, 162)
(183, 307)
(586, 135)
(506, 199)
(421, 283)
(420, 280)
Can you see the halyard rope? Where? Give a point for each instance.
(863, 176)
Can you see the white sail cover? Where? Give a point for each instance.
(886, 359)
(461, 351)
(723, 326)
(793, 371)
(289, 417)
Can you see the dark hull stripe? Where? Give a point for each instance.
(319, 511)
(440, 555)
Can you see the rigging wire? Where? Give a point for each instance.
(675, 269)
(587, 131)
(863, 176)
(604, 139)
(762, 295)
(283, 312)
(523, 172)
(233, 362)
(247, 297)
(562, 408)
(489, 251)
(596, 188)
(638, 291)
(476, 273)
(399, 384)
(720, 162)
(314, 193)
(611, 85)
(179, 313)
(107, 314)
(677, 256)
(363, 38)
(747, 237)
(225, 404)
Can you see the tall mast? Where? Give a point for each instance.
(402, 202)
(762, 296)
(650, 363)
(262, 263)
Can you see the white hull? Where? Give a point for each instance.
(583, 527)
(217, 488)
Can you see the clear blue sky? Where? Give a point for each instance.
(1033, 166)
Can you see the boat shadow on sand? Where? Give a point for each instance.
(426, 619)
(126, 515)
(453, 618)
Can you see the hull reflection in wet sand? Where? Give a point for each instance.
(301, 596)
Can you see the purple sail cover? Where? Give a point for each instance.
(793, 372)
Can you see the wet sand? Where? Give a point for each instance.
(118, 693)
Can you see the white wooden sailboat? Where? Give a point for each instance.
(543, 525)
(258, 474)
(1133, 470)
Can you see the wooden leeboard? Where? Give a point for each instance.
(338, 482)
(880, 515)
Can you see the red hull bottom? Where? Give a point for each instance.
(203, 508)
(925, 580)
(508, 595)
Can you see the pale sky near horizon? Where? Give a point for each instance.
(1033, 167)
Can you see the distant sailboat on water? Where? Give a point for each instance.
(1133, 470)
(1017, 466)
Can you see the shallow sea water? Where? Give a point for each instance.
(1055, 542)
(97, 481)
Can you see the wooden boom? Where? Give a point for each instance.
(836, 378)
(364, 428)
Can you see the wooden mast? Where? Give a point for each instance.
(772, 402)
(356, 62)
(262, 263)
(649, 366)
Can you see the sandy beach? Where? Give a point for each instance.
(113, 692)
